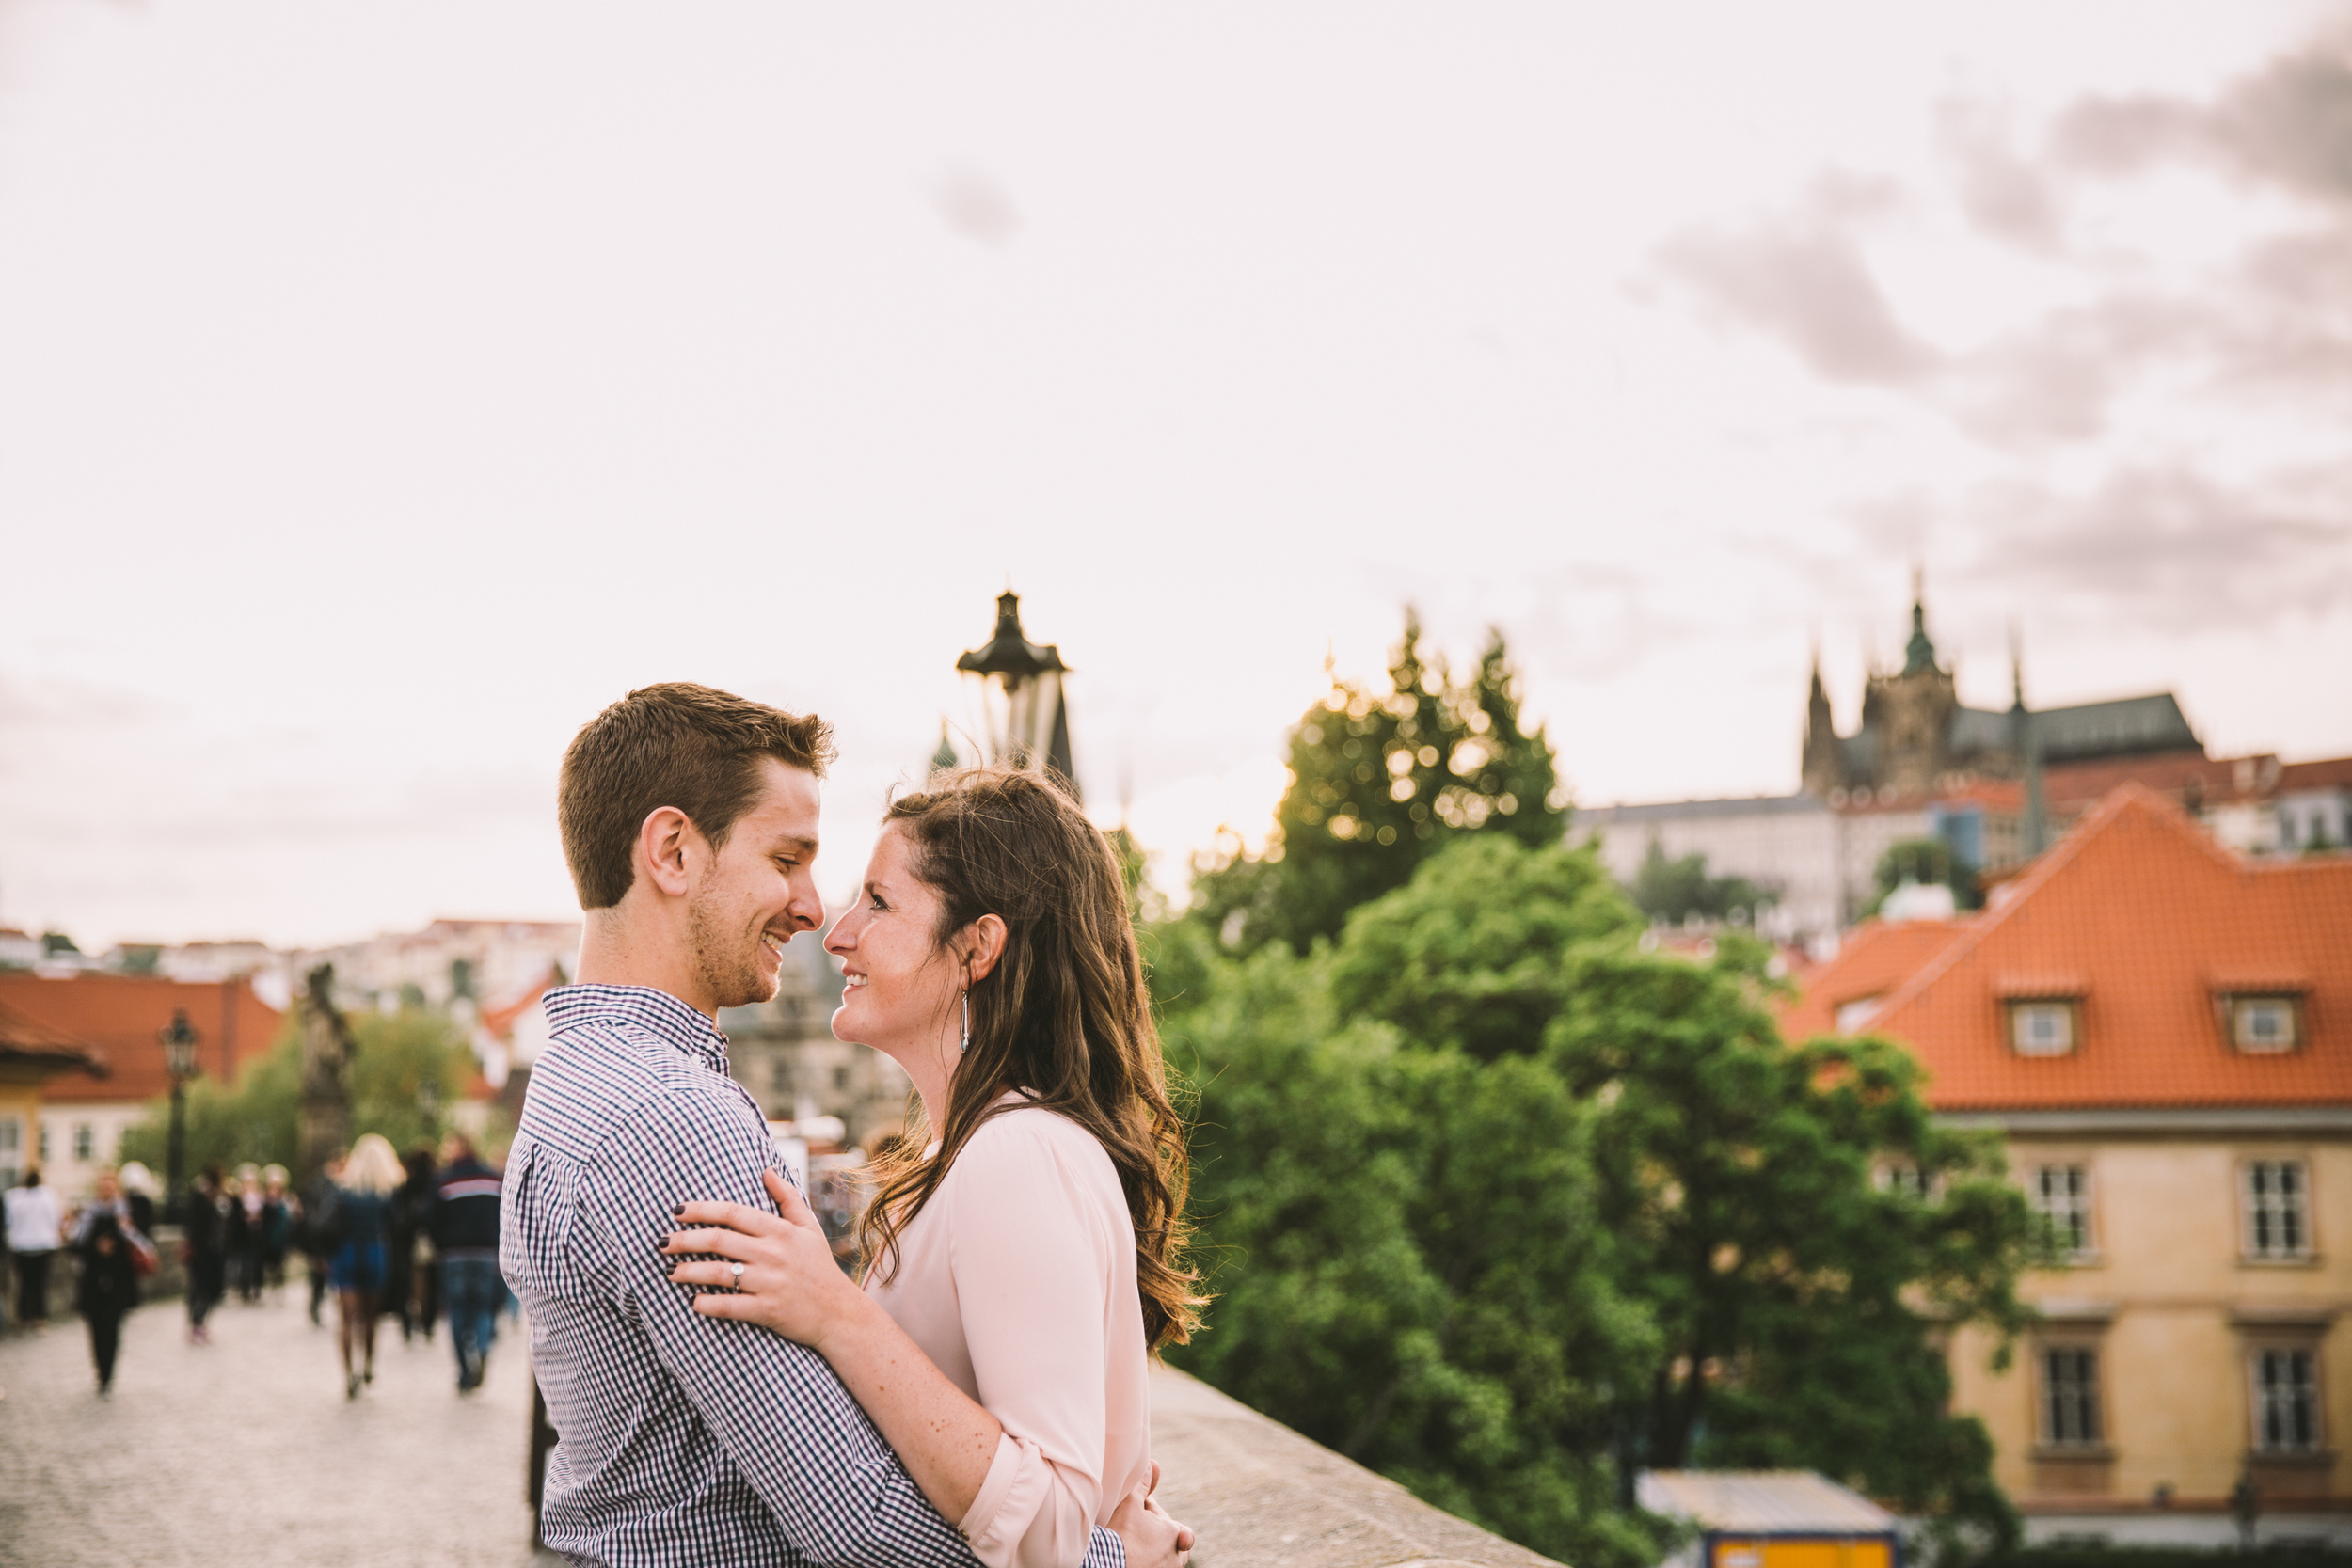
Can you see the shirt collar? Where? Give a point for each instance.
(656, 1012)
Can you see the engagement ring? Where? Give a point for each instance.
(737, 1270)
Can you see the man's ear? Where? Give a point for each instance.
(666, 842)
(984, 943)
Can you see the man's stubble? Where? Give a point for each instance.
(734, 978)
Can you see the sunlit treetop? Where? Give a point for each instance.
(1378, 780)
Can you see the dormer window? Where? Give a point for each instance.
(2264, 1026)
(2042, 1026)
(1853, 1016)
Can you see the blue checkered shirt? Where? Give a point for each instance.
(685, 1439)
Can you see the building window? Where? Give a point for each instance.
(1904, 1178)
(841, 1078)
(2264, 1025)
(44, 1143)
(2041, 1028)
(84, 1142)
(2069, 1397)
(2286, 1401)
(1854, 1016)
(2061, 1196)
(11, 1151)
(2278, 1216)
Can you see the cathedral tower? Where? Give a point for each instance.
(1824, 764)
(1915, 708)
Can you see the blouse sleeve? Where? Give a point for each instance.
(1028, 1246)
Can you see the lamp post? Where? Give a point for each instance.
(1018, 684)
(180, 1042)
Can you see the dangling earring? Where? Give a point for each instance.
(967, 1021)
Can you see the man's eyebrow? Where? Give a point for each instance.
(806, 846)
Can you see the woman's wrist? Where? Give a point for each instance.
(847, 1315)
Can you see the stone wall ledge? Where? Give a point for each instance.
(1260, 1495)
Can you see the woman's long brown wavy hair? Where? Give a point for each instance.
(1063, 1017)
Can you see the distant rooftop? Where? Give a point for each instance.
(1763, 1502)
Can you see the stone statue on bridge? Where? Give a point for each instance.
(328, 1047)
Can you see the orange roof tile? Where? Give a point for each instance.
(2145, 919)
(118, 1017)
(499, 1018)
(1874, 958)
(28, 1039)
(2332, 773)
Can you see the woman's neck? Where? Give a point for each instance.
(931, 1066)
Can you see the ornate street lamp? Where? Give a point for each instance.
(180, 1042)
(1018, 687)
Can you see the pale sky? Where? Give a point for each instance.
(384, 387)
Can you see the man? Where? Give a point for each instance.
(690, 822)
(464, 1229)
(204, 1244)
(317, 1235)
(35, 1226)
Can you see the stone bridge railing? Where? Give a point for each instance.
(1259, 1494)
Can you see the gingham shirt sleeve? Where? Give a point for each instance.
(793, 1430)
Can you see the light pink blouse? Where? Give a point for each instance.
(1018, 1280)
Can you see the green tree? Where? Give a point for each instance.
(1472, 955)
(409, 1069)
(1796, 1302)
(1379, 780)
(1679, 889)
(1926, 861)
(1405, 1245)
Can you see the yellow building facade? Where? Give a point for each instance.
(2197, 1335)
(2160, 1031)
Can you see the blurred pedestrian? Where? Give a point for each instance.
(314, 1227)
(277, 1228)
(115, 1255)
(202, 1244)
(244, 1233)
(408, 1283)
(138, 1191)
(363, 1200)
(35, 1226)
(465, 1234)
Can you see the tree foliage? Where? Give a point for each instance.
(1378, 781)
(1406, 1245)
(1512, 1209)
(409, 1069)
(1677, 890)
(1925, 860)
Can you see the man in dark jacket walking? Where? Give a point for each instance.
(465, 1234)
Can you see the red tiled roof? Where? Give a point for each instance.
(2145, 919)
(2000, 794)
(2070, 787)
(499, 1019)
(28, 1039)
(1874, 958)
(2333, 773)
(118, 1017)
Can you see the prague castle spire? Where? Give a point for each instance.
(1823, 763)
(1919, 654)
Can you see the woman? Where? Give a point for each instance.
(109, 1247)
(276, 1228)
(363, 1202)
(1033, 1251)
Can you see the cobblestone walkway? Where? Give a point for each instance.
(246, 1452)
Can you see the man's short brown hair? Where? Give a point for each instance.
(679, 745)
